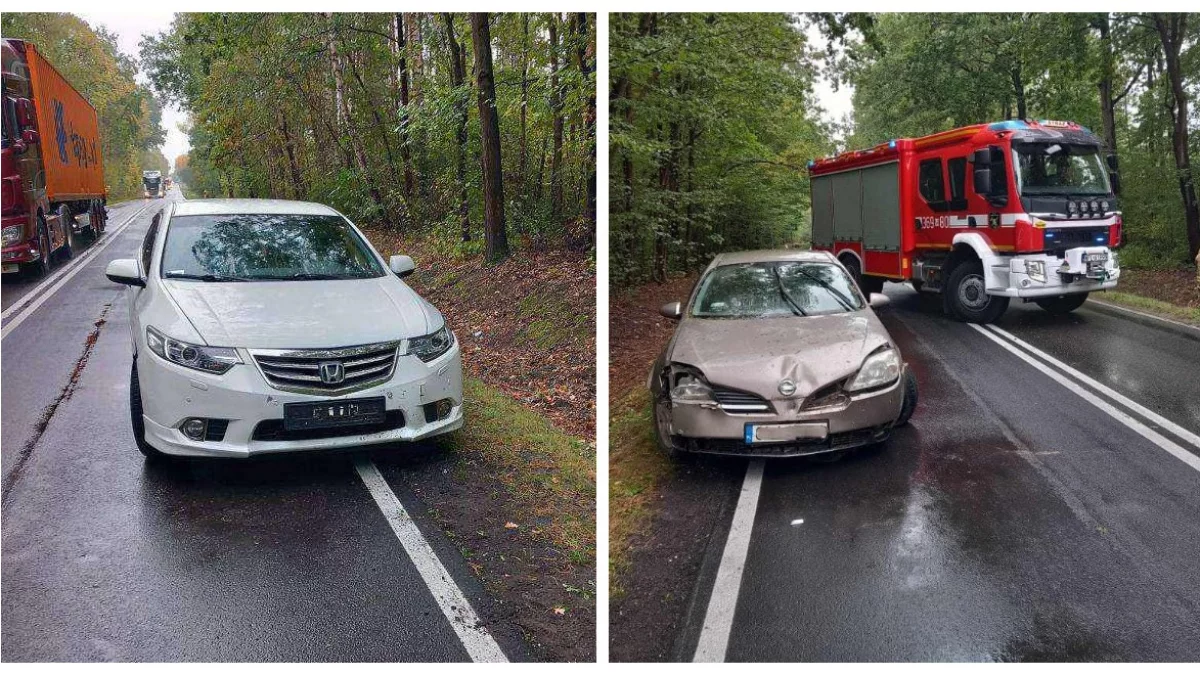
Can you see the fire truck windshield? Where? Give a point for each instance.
(1059, 169)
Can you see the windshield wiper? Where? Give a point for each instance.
(837, 295)
(787, 296)
(203, 277)
(311, 276)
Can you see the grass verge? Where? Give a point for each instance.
(550, 474)
(636, 468)
(1189, 315)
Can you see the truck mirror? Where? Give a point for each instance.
(983, 180)
(1112, 161)
(29, 137)
(25, 114)
(1115, 180)
(998, 193)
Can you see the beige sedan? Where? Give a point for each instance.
(777, 354)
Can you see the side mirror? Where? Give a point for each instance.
(672, 310)
(125, 271)
(1114, 180)
(402, 265)
(879, 300)
(29, 137)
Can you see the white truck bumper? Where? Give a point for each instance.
(1081, 270)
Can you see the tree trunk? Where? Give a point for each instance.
(1108, 102)
(556, 106)
(458, 76)
(417, 65)
(495, 233)
(339, 92)
(1172, 31)
(410, 178)
(1019, 92)
(293, 166)
(589, 121)
(522, 162)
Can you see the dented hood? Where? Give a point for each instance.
(754, 355)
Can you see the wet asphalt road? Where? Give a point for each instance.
(1012, 520)
(108, 558)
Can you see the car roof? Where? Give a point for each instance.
(204, 207)
(776, 255)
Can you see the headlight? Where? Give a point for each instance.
(216, 360)
(879, 369)
(429, 347)
(690, 388)
(1036, 269)
(12, 234)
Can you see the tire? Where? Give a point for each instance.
(910, 398)
(1062, 304)
(662, 436)
(135, 417)
(917, 284)
(966, 296)
(64, 221)
(41, 266)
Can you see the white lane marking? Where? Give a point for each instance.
(32, 294)
(471, 632)
(1122, 417)
(1145, 314)
(1134, 406)
(30, 308)
(718, 619)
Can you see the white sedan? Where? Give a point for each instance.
(263, 326)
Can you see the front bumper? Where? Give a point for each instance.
(172, 394)
(22, 251)
(866, 419)
(1012, 278)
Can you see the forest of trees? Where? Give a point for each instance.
(130, 117)
(713, 120)
(479, 127)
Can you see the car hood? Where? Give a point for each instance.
(754, 355)
(303, 314)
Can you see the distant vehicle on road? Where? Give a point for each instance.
(263, 326)
(153, 183)
(777, 354)
(982, 214)
(51, 169)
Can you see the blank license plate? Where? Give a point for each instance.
(784, 433)
(344, 413)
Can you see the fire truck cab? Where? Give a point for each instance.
(981, 214)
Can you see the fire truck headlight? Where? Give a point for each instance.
(1095, 205)
(12, 234)
(1036, 269)
(1104, 205)
(1072, 207)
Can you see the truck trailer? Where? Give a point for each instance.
(51, 171)
(982, 214)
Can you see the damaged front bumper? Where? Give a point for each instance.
(790, 429)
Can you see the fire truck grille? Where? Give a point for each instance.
(1071, 237)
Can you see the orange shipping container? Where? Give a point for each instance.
(70, 134)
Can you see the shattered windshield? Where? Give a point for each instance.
(775, 289)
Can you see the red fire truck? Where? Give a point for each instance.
(51, 170)
(981, 214)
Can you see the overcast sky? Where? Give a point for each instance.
(129, 29)
(837, 104)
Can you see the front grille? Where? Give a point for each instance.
(733, 400)
(1060, 238)
(300, 370)
(274, 430)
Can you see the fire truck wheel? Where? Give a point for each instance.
(1063, 304)
(967, 298)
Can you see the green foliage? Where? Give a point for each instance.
(130, 117)
(328, 87)
(712, 121)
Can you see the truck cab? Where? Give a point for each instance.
(982, 214)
